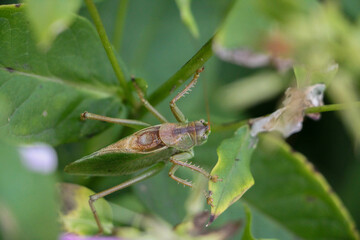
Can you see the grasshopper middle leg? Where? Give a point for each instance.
(179, 160)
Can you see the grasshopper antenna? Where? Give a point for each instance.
(206, 100)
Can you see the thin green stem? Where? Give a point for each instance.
(228, 126)
(109, 49)
(332, 107)
(119, 24)
(325, 108)
(186, 71)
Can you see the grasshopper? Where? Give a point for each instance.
(150, 147)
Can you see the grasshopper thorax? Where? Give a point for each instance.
(184, 136)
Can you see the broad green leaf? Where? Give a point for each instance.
(187, 17)
(47, 92)
(233, 167)
(50, 18)
(76, 215)
(28, 200)
(293, 194)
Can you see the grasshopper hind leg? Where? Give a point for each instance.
(144, 175)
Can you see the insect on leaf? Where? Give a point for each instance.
(233, 167)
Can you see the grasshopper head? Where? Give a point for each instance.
(202, 131)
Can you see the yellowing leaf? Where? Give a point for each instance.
(76, 214)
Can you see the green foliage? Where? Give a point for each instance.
(56, 64)
(76, 214)
(187, 17)
(295, 195)
(26, 196)
(233, 168)
(30, 78)
(247, 231)
(57, 15)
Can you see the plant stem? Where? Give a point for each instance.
(119, 24)
(325, 108)
(108, 49)
(182, 74)
(228, 126)
(332, 107)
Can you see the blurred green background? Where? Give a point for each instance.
(155, 44)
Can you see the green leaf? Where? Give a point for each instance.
(294, 195)
(187, 17)
(247, 231)
(47, 92)
(27, 199)
(50, 18)
(76, 215)
(233, 168)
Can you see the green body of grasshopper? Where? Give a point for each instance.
(151, 146)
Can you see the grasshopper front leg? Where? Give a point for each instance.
(180, 160)
(180, 117)
(144, 175)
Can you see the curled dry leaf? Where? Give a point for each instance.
(288, 119)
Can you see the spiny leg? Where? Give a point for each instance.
(214, 178)
(180, 117)
(179, 180)
(126, 122)
(147, 105)
(144, 175)
(178, 160)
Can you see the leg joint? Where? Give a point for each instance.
(93, 198)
